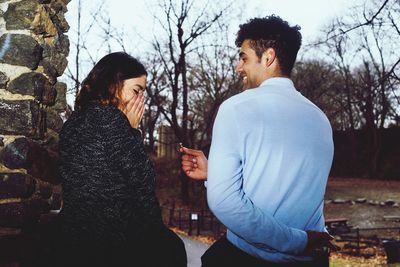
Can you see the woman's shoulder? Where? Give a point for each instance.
(98, 108)
(103, 114)
(97, 116)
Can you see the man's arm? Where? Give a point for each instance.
(229, 202)
(195, 165)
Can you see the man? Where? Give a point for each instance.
(269, 160)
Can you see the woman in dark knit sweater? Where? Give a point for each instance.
(110, 214)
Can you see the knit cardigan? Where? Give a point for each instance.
(107, 178)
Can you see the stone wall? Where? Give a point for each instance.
(33, 51)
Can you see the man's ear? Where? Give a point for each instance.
(268, 57)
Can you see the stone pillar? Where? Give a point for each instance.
(33, 52)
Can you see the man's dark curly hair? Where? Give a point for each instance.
(272, 32)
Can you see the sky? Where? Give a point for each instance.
(311, 15)
(136, 16)
(135, 19)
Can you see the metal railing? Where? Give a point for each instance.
(199, 222)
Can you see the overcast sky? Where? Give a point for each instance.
(135, 18)
(134, 15)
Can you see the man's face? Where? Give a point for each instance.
(250, 67)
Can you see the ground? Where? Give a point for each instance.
(363, 215)
(360, 215)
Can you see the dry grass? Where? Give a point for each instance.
(340, 260)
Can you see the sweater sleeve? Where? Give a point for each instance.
(127, 155)
(229, 201)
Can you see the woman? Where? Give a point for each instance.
(110, 214)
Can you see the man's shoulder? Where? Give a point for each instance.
(235, 100)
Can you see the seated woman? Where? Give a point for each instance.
(110, 214)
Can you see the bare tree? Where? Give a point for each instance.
(94, 36)
(323, 84)
(182, 23)
(364, 38)
(155, 101)
(79, 41)
(212, 81)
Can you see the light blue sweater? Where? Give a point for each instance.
(269, 162)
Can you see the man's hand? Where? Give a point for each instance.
(194, 163)
(317, 241)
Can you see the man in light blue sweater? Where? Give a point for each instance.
(269, 161)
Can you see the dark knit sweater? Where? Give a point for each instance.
(107, 178)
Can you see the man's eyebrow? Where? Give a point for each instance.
(241, 54)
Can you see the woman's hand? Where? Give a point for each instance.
(134, 109)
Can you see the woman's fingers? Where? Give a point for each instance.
(134, 105)
(134, 109)
(131, 103)
(141, 111)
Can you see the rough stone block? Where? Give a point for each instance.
(62, 44)
(54, 120)
(43, 189)
(60, 111)
(58, 6)
(11, 214)
(55, 201)
(50, 140)
(56, 12)
(56, 198)
(23, 212)
(15, 154)
(65, 1)
(20, 15)
(34, 84)
(16, 185)
(3, 80)
(21, 50)
(44, 1)
(43, 23)
(54, 62)
(37, 160)
(19, 117)
(61, 99)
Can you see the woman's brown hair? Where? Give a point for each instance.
(105, 80)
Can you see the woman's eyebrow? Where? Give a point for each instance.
(140, 86)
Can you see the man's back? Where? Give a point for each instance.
(283, 145)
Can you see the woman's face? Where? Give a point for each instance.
(132, 87)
